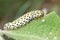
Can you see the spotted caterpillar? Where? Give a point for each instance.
(21, 21)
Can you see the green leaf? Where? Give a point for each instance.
(22, 9)
(47, 28)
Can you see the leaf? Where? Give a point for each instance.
(23, 8)
(1, 38)
(47, 28)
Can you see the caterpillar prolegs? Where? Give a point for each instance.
(21, 21)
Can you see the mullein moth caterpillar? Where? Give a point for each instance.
(21, 21)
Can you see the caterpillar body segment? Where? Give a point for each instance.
(8, 25)
(21, 21)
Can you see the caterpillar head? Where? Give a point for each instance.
(8, 26)
(45, 10)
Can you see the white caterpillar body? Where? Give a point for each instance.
(23, 19)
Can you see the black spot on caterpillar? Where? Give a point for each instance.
(21, 21)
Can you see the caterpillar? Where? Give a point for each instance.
(24, 19)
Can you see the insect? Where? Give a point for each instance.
(21, 21)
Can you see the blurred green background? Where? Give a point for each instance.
(12, 9)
